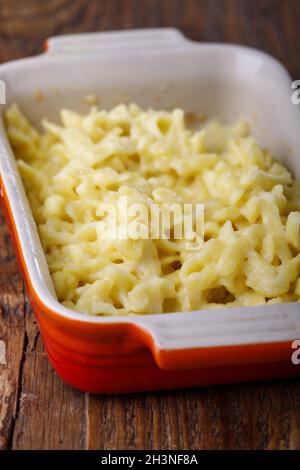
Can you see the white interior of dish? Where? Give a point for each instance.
(159, 69)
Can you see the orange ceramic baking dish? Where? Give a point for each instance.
(158, 68)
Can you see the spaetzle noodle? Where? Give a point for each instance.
(250, 254)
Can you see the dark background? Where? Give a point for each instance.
(37, 410)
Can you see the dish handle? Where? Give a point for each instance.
(219, 337)
(116, 40)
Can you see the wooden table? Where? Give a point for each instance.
(37, 410)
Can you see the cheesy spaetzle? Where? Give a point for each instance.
(250, 253)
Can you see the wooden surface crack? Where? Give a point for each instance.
(19, 394)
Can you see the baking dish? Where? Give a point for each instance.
(162, 69)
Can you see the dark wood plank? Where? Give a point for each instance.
(246, 416)
(12, 336)
(36, 409)
(144, 421)
(51, 414)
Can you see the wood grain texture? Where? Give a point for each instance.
(37, 410)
